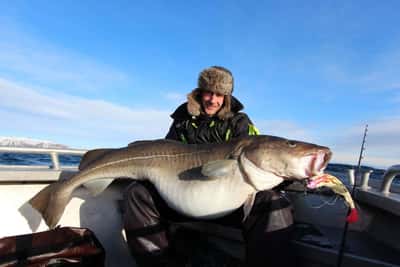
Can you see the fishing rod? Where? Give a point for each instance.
(346, 225)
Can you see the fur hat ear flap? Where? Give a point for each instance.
(225, 111)
(193, 102)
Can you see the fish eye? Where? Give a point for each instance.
(291, 143)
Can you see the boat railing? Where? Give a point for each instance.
(53, 152)
(383, 193)
(51, 172)
(365, 184)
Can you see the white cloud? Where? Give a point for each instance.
(76, 119)
(386, 72)
(285, 129)
(382, 142)
(39, 87)
(175, 97)
(38, 61)
(396, 98)
(381, 73)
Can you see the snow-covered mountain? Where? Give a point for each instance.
(28, 142)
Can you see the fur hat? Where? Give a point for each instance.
(216, 79)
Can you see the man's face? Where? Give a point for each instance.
(211, 102)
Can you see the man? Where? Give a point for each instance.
(211, 115)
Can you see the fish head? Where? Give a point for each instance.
(288, 159)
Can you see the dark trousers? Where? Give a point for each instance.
(266, 231)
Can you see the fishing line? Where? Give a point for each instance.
(324, 202)
(330, 202)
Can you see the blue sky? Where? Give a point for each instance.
(94, 74)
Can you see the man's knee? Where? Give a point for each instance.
(140, 208)
(271, 211)
(280, 213)
(137, 192)
(268, 228)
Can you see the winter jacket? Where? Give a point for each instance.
(205, 129)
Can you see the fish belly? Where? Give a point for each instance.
(204, 199)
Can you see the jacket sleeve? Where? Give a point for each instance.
(243, 126)
(172, 134)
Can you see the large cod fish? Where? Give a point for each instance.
(201, 181)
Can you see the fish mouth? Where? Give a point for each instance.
(317, 162)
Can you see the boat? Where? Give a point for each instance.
(321, 237)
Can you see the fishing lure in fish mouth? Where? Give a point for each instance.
(339, 188)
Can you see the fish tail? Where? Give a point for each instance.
(50, 202)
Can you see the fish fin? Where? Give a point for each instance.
(237, 151)
(218, 168)
(257, 177)
(50, 202)
(97, 186)
(135, 143)
(93, 155)
(160, 141)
